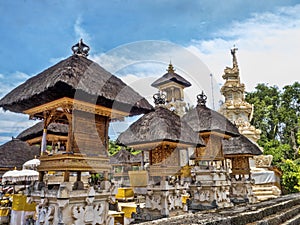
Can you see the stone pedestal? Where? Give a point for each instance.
(65, 206)
(162, 200)
(209, 189)
(241, 191)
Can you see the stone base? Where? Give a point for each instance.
(67, 206)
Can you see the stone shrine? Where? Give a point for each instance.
(240, 112)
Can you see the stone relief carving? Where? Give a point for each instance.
(89, 214)
(153, 202)
(45, 213)
(263, 160)
(175, 201)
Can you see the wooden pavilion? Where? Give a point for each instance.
(80, 93)
(122, 162)
(210, 174)
(57, 135)
(163, 134)
(239, 150)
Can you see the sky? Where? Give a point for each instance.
(136, 39)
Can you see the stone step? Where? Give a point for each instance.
(263, 193)
(293, 221)
(265, 197)
(259, 188)
(273, 212)
(279, 218)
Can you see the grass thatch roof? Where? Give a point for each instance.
(202, 119)
(171, 76)
(240, 146)
(157, 126)
(125, 157)
(75, 77)
(15, 153)
(37, 131)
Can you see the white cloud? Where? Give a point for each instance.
(79, 30)
(268, 45)
(20, 76)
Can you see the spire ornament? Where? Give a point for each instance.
(81, 49)
(170, 68)
(201, 99)
(159, 98)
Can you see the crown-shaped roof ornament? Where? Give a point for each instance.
(81, 49)
(201, 99)
(170, 68)
(159, 98)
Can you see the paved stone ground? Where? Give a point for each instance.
(275, 210)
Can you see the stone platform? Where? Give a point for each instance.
(283, 210)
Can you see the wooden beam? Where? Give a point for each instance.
(71, 104)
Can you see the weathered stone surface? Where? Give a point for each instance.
(283, 210)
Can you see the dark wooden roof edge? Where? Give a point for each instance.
(158, 141)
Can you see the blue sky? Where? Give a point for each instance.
(36, 34)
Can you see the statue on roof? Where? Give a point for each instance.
(234, 60)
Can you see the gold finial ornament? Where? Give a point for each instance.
(170, 68)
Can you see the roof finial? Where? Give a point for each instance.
(234, 60)
(201, 99)
(159, 98)
(170, 68)
(81, 49)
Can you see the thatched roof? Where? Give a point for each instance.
(125, 157)
(171, 76)
(16, 152)
(160, 125)
(37, 131)
(240, 146)
(80, 78)
(202, 119)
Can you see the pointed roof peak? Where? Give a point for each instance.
(171, 76)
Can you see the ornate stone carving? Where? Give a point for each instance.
(90, 214)
(45, 213)
(263, 160)
(153, 202)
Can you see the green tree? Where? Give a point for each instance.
(277, 115)
(113, 148)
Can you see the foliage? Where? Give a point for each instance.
(277, 115)
(114, 148)
(291, 176)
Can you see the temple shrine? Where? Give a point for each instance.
(210, 184)
(76, 99)
(172, 84)
(266, 183)
(81, 94)
(163, 134)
